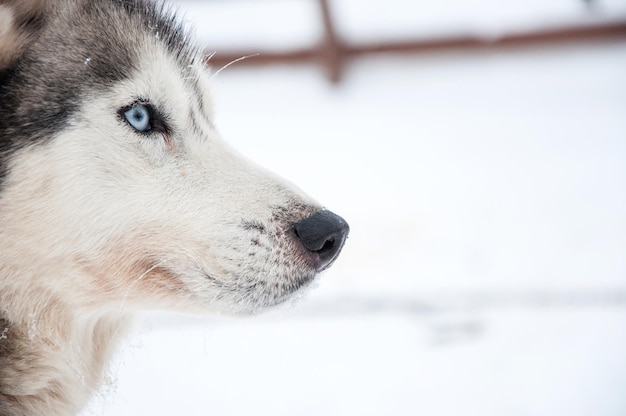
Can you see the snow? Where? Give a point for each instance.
(485, 273)
(513, 362)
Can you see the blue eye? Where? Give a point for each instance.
(139, 117)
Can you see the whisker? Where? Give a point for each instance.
(209, 56)
(231, 63)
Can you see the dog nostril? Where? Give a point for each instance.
(328, 245)
(323, 235)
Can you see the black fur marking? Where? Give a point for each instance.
(254, 226)
(194, 123)
(200, 100)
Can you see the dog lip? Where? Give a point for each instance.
(261, 295)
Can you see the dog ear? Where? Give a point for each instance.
(20, 24)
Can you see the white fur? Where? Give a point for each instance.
(101, 222)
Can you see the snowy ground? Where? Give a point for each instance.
(485, 273)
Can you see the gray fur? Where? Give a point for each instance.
(73, 54)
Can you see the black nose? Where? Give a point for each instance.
(323, 235)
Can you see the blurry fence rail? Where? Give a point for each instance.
(332, 53)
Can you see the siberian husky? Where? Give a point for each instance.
(118, 195)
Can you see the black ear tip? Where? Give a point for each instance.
(323, 235)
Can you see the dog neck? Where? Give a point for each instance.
(52, 361)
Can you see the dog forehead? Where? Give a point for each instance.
(110, 37)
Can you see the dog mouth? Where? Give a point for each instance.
(247, 294)
(271, 262)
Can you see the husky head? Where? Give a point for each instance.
(116, 188)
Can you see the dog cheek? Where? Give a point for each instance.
(128, 276)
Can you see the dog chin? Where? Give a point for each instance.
(262, 296)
